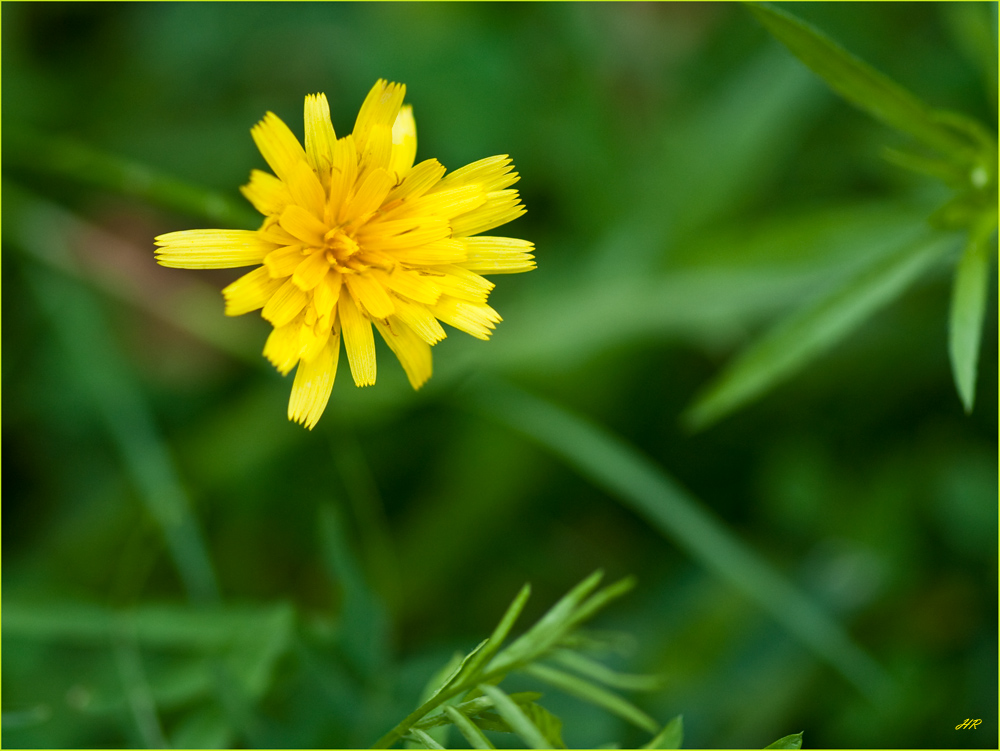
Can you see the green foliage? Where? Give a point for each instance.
(470, 699)
(185, 569)
(968, 166)
(789, 741)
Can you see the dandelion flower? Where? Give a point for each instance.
(355, 234)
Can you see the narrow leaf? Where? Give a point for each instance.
(459, 668)
(592, 669)
(672, 735)
(789, 741)
(424, 739)
(968, 306)
(582, 689)
(549, 627)
(643, 486)
(811, 330)
(493, 644)
(468, 730)
(861, 84)
(515, 717)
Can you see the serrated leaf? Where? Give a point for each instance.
(861, 84)
(548, 723)
(599, 672)
(811, 330)
(968, 307)
(789, 741)
(588, 692)
(515, 717)
(672, 735)
(467, 728)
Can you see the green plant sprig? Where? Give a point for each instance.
(470, 699)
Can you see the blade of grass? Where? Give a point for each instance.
(861, 84)
(72, 160)
(789, 741)
(811, 330)
(968, 307)
(645, 488)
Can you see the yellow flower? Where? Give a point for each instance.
(355, 234)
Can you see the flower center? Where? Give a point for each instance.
(339, 247)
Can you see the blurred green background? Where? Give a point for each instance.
(687, 181)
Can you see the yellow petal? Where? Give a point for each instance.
(283, 261)
(285, 304)
(311, 271)
(358, 341)
(462, 283)
(326, 293)
(377, 150)
(266, 192)
(413, 352)
(278, 145)
(477, 320)
(211, 249)
(406, 233)
(409, 284)
(369, 196)
(443, 203)
(250, 292)
(380, 107)
(313, 385)
(498, 255)
(319, 135)
(306, 190)
(344, 172)
(418, 181)
(404, 142)
(490, 174)
(302, 225)
(501, 207)
(370, 294)
(312, 339)
(420, 319)
(282, 346)
(435, 253)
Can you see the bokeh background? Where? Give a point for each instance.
(688, 182)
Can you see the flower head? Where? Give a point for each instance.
(355, 234)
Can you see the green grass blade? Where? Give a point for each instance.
(642, 486)
(80, 326)
(968, 307)
(588, 692)
(72, 160)
(515, 717)
(808, 332)
(789, 741)
(671, 737)
(468, 729)
(861, 84)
